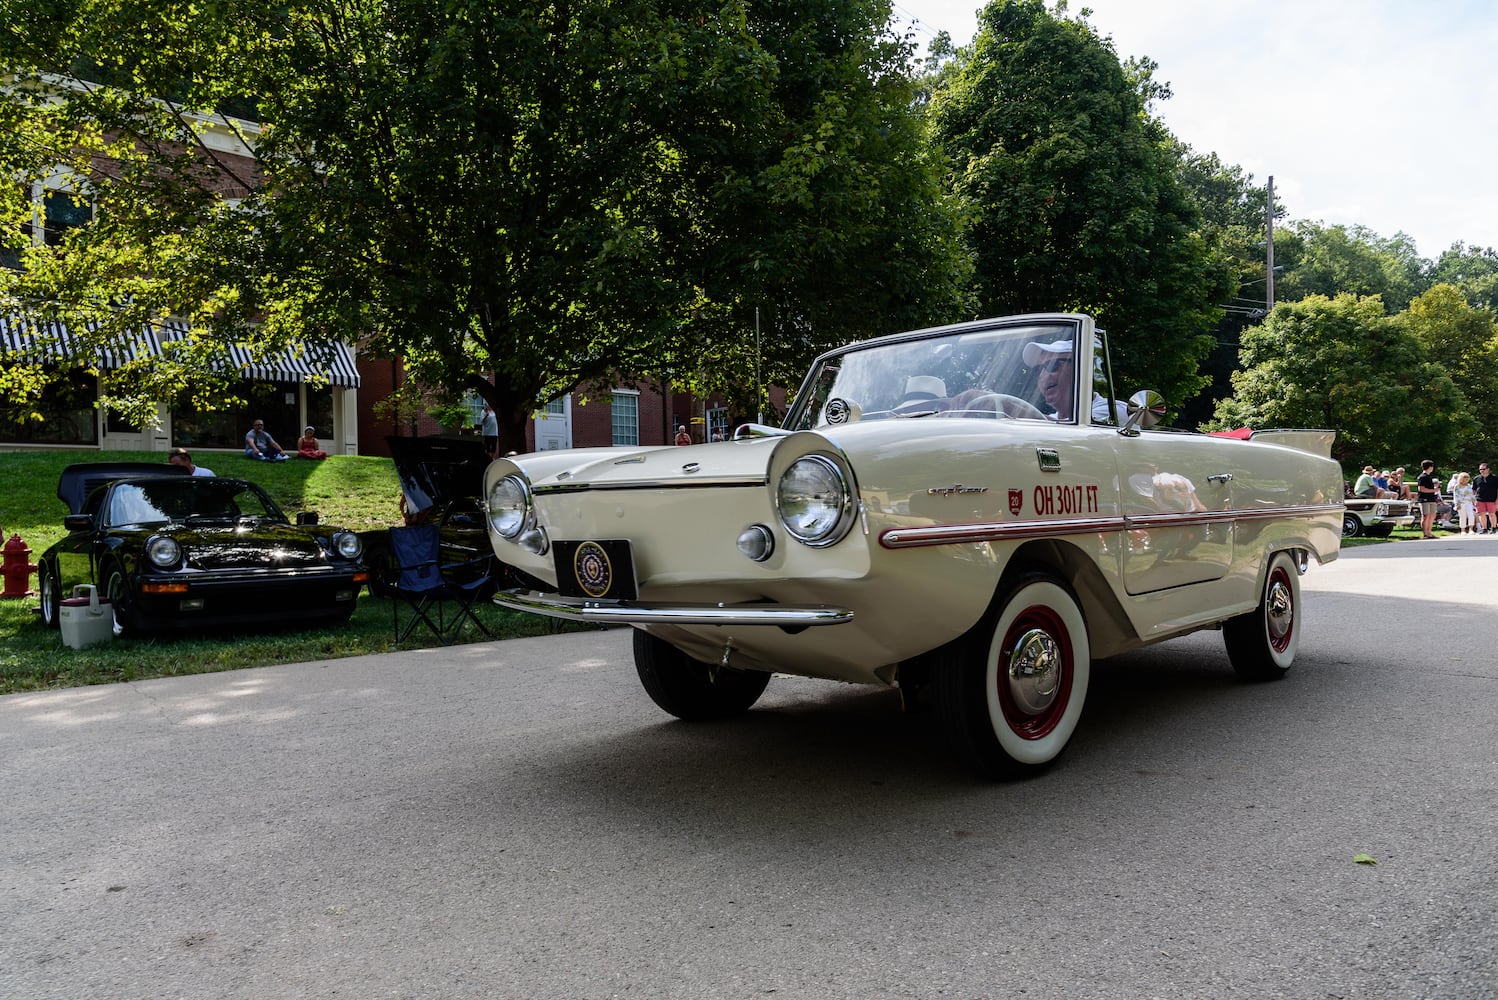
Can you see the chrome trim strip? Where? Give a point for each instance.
(992, 531)
(555, 489)
(634, 612)
(956, 534)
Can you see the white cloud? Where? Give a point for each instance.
(1379, 114)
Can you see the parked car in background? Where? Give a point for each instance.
(939, 514)
(171, 551)
(441, 482)
(1375, 518)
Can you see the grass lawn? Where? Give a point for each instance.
(352, 491)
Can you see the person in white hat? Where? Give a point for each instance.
(1055, 375)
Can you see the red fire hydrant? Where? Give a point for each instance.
(16, 567)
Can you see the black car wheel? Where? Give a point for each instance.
(51, 592)
(691, 690)
(1352, 525)
(115, 593)
(1261, 644)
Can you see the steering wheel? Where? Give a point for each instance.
(1004, 405)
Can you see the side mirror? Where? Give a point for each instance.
(1146, 409)
(306, 519)
(78, 522)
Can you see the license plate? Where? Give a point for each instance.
(599, 570)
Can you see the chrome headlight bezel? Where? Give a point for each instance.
(814, 502)
(508, 508)
(163, 552)
(347, 544)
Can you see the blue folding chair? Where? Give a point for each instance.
(427, 586)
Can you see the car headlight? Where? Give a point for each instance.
(163, 552)
(347, 544)
(510, 506)
(814, 502)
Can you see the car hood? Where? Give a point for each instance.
(703, 464)
(264, 546)
(435, 471)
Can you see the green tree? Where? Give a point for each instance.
(1463, 340)
(1336, 260)
(1234, 221)
(560, 195)
(1344, 364)
(1071, 192)
(1474, 270)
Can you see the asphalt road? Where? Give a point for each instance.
(516, 819)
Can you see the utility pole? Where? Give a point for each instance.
(1269, 252)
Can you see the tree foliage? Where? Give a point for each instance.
(1344, 364)
(1464, 341)
(1071, 192)
(561, 195)
(1336, 260)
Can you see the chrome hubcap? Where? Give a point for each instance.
(1280, 608)
(1035, 672)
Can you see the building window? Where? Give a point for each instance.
(274, 402)
(64, 211)
(67, 414)
(626, 417)
(717, 424)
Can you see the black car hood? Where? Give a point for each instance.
(266, 546)
(435, 471)
(78, 481)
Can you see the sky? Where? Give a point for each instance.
(1377, 113)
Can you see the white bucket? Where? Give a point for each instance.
(86, 620)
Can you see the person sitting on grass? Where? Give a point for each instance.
(306, 445)
(259, 445)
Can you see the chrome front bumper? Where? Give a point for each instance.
(635, 612)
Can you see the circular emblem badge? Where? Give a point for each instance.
(592, 569)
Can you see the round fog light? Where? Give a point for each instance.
(533, 541)
(756, 542)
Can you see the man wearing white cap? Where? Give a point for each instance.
(1056, 378)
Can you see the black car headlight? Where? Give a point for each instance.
(509, 506)
(814, 502)
(163, 552)
(347, 544)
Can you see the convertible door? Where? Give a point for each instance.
(1177, 499)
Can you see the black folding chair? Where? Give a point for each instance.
(426, 585)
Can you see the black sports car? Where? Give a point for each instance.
(176, 551)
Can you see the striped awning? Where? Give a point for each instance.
(333, 362)
(39, 342)
(47, 340)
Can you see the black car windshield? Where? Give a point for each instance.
(190, 498)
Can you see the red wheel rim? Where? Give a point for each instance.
(1279, 610)
(1034, 628)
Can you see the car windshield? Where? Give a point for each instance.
(188, 500)
(1024, 372)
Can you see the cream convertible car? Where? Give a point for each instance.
(933, 514)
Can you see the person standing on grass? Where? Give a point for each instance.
(489, 429)
(1463, 499)
(1485, 490)
(1428, 493)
